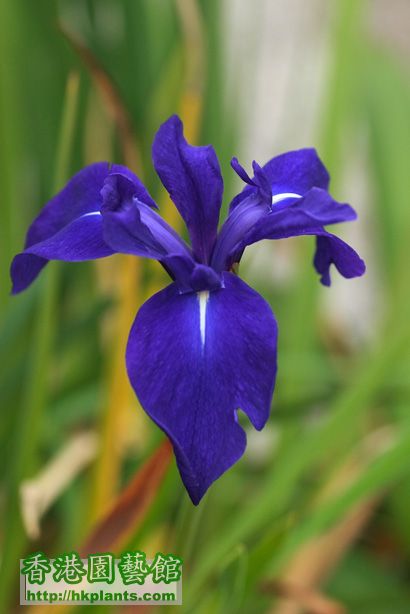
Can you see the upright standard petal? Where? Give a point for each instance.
(69, 226)
(194, 360)
(193, 179)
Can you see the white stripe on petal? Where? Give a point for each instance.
(91, 213)
(276, 198)
(203, 301)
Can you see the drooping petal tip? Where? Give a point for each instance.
(23, 271)
(332, 250)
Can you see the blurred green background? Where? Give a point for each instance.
(315, 517)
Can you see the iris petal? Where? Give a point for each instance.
(295, 172)
(316, 208)
(81, 195)
(307, 217)
(300, 205)
(193, 179)
(194, 360)
(133, 227)
(332, 250)
(253, 221)
(229, 245)
(82, 239)
(69, 226)
(24, 270)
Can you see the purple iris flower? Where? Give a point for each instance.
(205, 346)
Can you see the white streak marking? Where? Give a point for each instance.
(91, 213)
(276, 198)
(203, 301)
